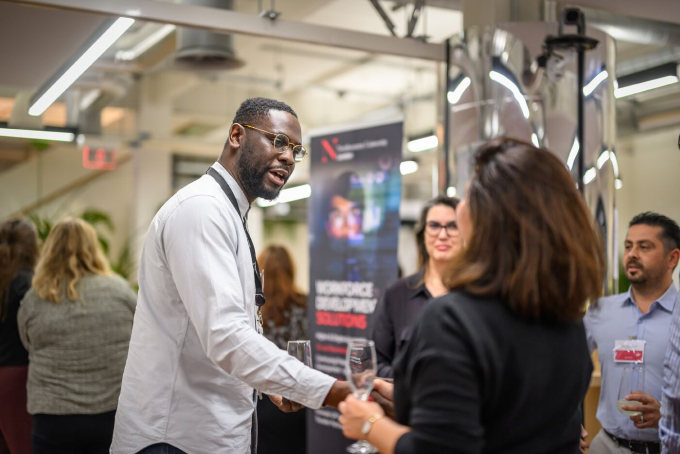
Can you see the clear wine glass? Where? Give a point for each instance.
(302, 350)
(361, 370)
(632, 380)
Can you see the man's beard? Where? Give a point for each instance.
(645, 276)
(252, 175)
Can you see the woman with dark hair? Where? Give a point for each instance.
(501, 363)
(284, 319)
(438, 243)
(75, 323)
(18, 255)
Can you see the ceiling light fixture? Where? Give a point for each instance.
(288, 195)
(572, 154)
(451, 191)
(54, 136)
(45, 99)
(422, 144)
(408, 167)
(146, 44)
(646, 80)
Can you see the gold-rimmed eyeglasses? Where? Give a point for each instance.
(282, 142)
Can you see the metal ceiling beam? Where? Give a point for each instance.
(226, 22)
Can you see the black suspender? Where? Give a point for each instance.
(259, 294)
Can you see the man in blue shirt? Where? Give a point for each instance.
(644, 313)
(669, 427)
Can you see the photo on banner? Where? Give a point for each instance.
(354, 221)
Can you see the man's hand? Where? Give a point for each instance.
(285, 405)
(650, 409)
(584, 445)
(337, 394)
(382, 393)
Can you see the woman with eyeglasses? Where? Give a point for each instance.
(438, 244)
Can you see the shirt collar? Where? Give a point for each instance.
(416, 284)
(667, 300)
(243, 205)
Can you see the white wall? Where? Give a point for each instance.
(650, 168)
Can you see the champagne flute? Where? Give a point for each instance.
(632, 380)
(301, 350)
(361, 370)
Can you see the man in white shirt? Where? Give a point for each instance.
(196, 352)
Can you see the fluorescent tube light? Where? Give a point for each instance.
(645, 86)
(146, 44)
(597, 80)
(618, 183)
(288, 195)
(454, 96)
(54, 136)
(408, 167)
(91, 55)
(572, 154)
(451, 191)
(615, 163)
(425, 143)
(510, 85)
(589, 175)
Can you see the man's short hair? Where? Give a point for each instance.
(670, 232)
(254, 109)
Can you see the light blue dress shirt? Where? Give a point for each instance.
(669, 427)
(615, 318)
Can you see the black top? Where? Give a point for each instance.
(394, 318)
(12, 351)
(476, 378)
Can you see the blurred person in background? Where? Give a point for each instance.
(643, 313)
(18, 255)
(438, 242)
(75, 323)
(501, 363)
(284, 319)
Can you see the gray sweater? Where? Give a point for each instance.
(77, 350)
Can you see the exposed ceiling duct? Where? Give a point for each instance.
(634, 29)
(203, 50)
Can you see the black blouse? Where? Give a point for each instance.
(12, 351)
(394, 318)
(476, 378)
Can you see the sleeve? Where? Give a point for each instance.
(201, 253)
(588, 321)
(23, 319)
(445, 388)
(383, 336)
(669, 426)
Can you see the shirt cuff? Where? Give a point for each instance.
(313, 388)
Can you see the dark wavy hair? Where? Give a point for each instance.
(423, 256)
(534, 242)
(18, 251)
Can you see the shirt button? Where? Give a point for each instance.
(269, 391)
(304, 400)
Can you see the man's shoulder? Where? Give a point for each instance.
(606, 305)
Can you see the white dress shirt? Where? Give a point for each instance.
(195, 355)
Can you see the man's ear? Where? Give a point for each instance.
(236, 135)
(673, 258)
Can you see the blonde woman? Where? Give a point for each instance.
(75, 323)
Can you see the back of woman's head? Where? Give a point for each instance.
(533, 241)
(18, 251)
(279, 289)
(444, 200)
(70, 252)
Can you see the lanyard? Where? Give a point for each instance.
(259, 294)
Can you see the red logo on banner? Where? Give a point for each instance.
(329, 149)
(99, 158)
